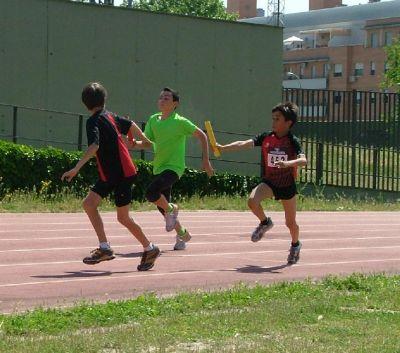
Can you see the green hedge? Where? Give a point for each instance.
(26, 168)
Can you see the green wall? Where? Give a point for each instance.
(226, 72)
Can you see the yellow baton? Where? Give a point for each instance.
(211, 136)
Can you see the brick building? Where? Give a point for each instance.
(338, 47)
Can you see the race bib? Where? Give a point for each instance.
(276, 156)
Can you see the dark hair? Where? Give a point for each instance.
(175, 94)
(94, 95)
(289, 110)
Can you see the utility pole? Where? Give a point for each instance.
(275, 10)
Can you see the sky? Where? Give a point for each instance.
(291, 5)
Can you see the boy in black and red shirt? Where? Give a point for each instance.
(282, 154)
(117, 174)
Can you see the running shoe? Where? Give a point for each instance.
(171, 218)
(99, 255)
(294, 254)
(261, 230)
(148, 259)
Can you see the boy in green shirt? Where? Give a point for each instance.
(168, 132)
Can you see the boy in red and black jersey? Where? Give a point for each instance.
(282, 154)
(117, 174)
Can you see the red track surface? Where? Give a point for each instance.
(41, 254)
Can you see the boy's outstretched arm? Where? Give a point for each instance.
(202, 137)
(90, 152)
(236, 146)
(143, 143)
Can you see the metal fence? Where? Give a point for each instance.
(351, 139)
(16, 126)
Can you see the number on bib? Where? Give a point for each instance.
(276, 157)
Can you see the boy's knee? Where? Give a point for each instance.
(124, 219)
(291, 224)
(88, 205)
(152, 195)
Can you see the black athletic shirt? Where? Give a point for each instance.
(113, 160)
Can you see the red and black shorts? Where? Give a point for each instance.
(122, 190)
(282, 193)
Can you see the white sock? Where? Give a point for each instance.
(104, 245)
(148, 248)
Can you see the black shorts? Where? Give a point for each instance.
(122, 190)
(285, 193)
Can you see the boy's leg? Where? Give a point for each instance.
(258, 194)
(90, 205)
(123, 199)
(182, 235)
(290, 207)
(125, 219)
(290, 217)
(154, 194)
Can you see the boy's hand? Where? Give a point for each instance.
(131, 143)
(220, 147)
(283, 164)
(69, 175)
(208, 168)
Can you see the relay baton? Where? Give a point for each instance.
(211, 136)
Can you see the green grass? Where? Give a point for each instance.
(354, 314)
(31, 202)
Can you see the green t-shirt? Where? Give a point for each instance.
(169, 141)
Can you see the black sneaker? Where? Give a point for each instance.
(294, 254)
(261, 230)
(99, 255)
(148, 259)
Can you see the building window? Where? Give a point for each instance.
(374, 40)
(372, 70)
(313, 72)
(338, 72)
(386, 67)
(326, 70)
(388, 38)
(359, 69)
(358, 98)
(372, 97)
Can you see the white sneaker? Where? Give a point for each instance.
(171, 218)
(180, 244)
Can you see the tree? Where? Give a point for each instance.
(99, 2)
(392, 75)
(201, 8)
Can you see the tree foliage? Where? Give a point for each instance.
(392, 75)
(202, 8)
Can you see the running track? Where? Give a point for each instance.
(40, 254)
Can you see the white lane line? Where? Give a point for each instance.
(168, 244)
(195, 214)
(189, 272)
(200, 243)
(251, 221)
(165, 235)
(278, 251)
(249, 226)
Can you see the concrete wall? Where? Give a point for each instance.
(227, 72)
